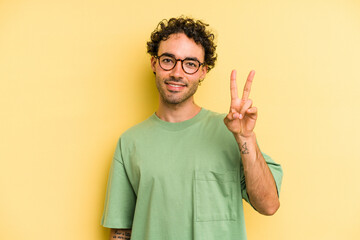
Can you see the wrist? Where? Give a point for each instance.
(240, 138)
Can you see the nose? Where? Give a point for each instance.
(177, 71)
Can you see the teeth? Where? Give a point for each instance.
(175, 85)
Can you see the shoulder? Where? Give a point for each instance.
(129, 138)
(139, 129)
(214, 126)
(215, 115)
(215, 118)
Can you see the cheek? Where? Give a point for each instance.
(158, 69)
(160, 74)
(195, 77)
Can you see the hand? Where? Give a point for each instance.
(242, 115)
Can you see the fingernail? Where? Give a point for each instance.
(240, 116)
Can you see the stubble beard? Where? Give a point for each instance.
(175, 98)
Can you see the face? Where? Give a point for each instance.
(176, 86)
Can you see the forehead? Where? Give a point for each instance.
(182, 47)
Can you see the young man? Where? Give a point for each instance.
(183, 172)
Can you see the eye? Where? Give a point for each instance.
(191, 64)
(167, 60)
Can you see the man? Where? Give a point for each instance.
(183, 172)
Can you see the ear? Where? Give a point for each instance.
(203, 72)
(153, 63)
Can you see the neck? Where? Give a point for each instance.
(177, 112)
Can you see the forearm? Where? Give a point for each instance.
(260, 183)
(120, 234)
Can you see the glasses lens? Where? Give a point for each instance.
(167, 62)
(191, 66)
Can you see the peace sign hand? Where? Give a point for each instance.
(242, 115)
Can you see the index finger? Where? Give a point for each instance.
(247, 86)
(233, 86)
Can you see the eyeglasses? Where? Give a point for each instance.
(189, 65)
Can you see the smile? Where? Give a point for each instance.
(175, 86)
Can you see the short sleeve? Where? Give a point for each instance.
(276, 171)
(120, 197)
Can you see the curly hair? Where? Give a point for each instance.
(194, 29)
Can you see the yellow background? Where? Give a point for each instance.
(75, 74)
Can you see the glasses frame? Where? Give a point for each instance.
(182, 63)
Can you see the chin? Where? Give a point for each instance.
(173, 101)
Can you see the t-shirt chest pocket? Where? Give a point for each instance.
(215, 195)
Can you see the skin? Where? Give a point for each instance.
(241, 120)
(176, 104)
(123, 234)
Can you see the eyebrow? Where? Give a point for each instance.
(187, 58)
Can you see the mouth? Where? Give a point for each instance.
(175, 86)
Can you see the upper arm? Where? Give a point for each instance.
(120, 234)
(120, 198)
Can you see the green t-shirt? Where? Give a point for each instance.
(179, 181)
